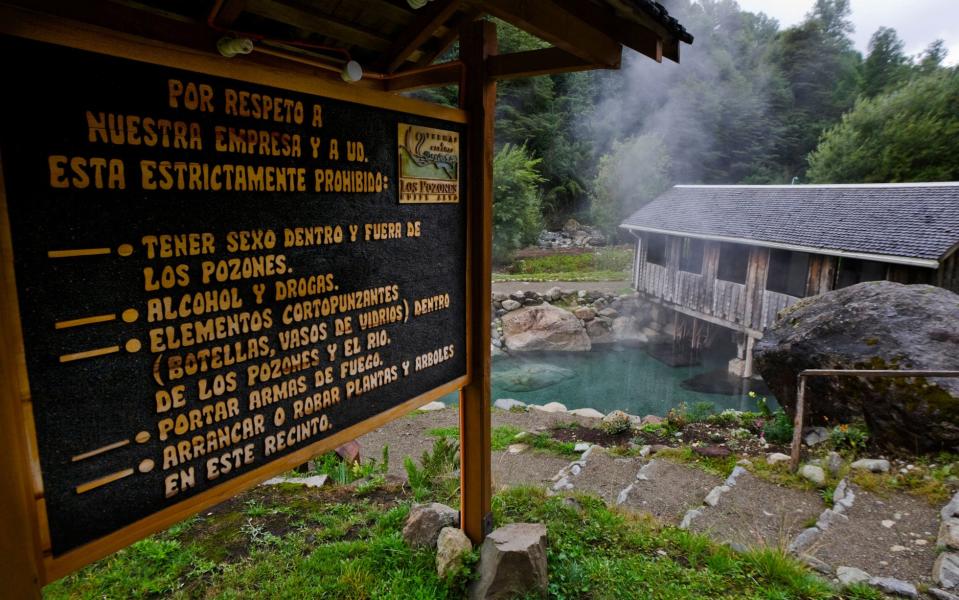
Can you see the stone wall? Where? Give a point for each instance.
(624, 319)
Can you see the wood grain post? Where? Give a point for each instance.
(477, 43)
(19, 568)
(797, 423)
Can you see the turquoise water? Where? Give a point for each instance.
(627, 379)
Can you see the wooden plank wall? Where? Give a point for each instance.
(741, 306)
(948, 274)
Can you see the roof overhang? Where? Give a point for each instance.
(886, 258)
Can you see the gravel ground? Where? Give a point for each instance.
(759, 513)
(866, 543)
(606, 475)
(670, 490)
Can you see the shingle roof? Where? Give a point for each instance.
(919, 220)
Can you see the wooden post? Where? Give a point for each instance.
(477, 43)
(19, 571)
(797, 423)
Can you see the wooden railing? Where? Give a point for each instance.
(801, 395)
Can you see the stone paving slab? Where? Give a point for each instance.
(669, 490)
(893, 535)
(756, 513)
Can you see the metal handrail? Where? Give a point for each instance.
(801, 396)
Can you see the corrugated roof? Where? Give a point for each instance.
(914, 220)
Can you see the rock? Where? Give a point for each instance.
(816, 435)
(512, 563)
(941, 594)
(879, 325)
(349, 452)
(609, 313)
(587, 412)
(805, 538)
(834, 463)
(451, 545)
(544, 327)
(581, 446)
(531, 376)
(815, 564)
(584, 313)
(645, 451)
(945, 571)
(830, 517)
(554, 293)
(517, 448)
(508, 404)
(518, 295)
(627, 330)
(550, 407)
(895, 587)
(774, 458)
(499, 296)
(509, 305)
(852, 575)
(522, 435)
(432, 406)
(951, 509)
(949, 534)
(876, 465)
(813, 474)
(572, 226)
(888, 524)
(712, 451)
(712, 498)
(689, 517)
(425, 521)
(652, 420)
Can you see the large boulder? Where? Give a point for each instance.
(873, 325)
(544, 327)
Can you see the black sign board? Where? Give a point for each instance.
(214, 275)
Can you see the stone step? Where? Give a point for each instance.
(667, 490)
(893, 535)
(756, 513)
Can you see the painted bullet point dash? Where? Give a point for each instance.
(89, 354)
(84, 321)
(77, 252)
(92, 485)
(101, 450)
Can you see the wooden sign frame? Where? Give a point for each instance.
(26, 537)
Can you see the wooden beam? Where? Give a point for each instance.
(631, 34)
(229, 12)
(548, 21)
(443, 74)
(446, 40)
(531, 63)
(418, 32)
(330, 26)
(477, 44)
(670, 42)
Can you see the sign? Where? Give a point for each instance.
(216, 279)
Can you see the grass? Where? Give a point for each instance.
(611, 264)
(323, 544)
(503, 436)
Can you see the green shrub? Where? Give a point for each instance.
(617, 424)
(779, 428)
(700, 412)
(849, 437)
(516, 201)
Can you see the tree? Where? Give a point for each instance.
(886, 65)
(821, 67)
(633, 173)
(932, 57)
(516, 200)
(909, 134)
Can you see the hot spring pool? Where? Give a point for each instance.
(627, 379)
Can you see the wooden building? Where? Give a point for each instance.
(736, 255)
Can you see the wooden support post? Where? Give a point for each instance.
(797, 423)
(18, 545)
(748, 366)
(477, 43)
